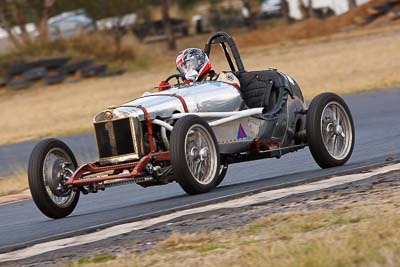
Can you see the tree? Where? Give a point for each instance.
(303, 9)
(44, 17)
(19, 13)
(100, 9)
(286, 11)
(248, 13)
(311, 13)
(352, 3)
(306, 11)
(167, 25)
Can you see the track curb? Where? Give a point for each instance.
(7, 199)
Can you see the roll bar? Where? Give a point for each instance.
(223, 38)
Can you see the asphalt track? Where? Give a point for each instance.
(377, 119)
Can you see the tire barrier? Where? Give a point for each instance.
(19, 84)
(54, 78)
(73, 67)
(94, 70)
(35, 74)
(4, 79)
(54, 70)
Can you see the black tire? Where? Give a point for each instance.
(19, 68)
(54, 78)
(315, 128)
(35, 74)
(112, 73)
(17, 84)
(51, 63)
(222, 174)
(4, 80)
(76, 66)
(182, 172)
(36, 178)
(93, 70)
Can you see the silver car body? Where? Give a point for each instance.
(208, 96)
(222, 100)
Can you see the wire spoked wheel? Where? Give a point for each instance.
(51, 164)
(330, 130)
(336, 130)
(57, 169)
(194, 155)
(200, 154)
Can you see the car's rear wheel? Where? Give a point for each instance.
(51, 164)
(330, 130)
(195, 155)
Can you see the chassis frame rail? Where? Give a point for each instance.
(134, 170)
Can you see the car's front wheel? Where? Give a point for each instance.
(222, 173)
(195, 155)
(50, 165)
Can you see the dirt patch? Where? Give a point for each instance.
(312, 27)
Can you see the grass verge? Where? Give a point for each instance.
(98, 46)
(14, 184)
(364, 233)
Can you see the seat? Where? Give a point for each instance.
(260, 88)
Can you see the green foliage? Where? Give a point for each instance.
(99, 9)
(97, 46)
(97, 259)
(32, 10)
(84, 260)
(210, 247)
(103, 257)
(254, 229)
(185, 4)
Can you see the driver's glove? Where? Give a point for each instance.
(164, 85)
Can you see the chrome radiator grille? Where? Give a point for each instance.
(118, 140)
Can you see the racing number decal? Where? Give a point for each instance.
(241, 132)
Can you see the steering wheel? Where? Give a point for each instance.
(179, 78)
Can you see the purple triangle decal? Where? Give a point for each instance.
(241, 132)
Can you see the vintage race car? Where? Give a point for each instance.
(192, 132)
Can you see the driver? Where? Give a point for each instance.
(194, 65)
